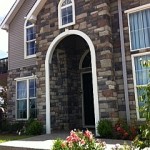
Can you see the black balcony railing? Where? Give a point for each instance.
(3, 65)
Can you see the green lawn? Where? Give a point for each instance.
(5, 138)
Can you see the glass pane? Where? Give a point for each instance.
(31, 48)
(140, 103)
(22, 109)
(31, 33)
(29, 23)
(70, 19)
(67, 16)
(21, 89)
(32, 88)
(66, 2)
(64, 12)
(139, 29)
(33, 108)
(142, 73)
(87, 61)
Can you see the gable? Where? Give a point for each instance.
(15, 8)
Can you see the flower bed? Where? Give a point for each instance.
(78, 140)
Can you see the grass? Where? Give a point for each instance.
(9, 137)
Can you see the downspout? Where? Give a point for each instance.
(123, 61)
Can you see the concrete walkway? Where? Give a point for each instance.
(45, 142)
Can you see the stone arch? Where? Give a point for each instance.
(48, 60)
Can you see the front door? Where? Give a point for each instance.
(88, 103)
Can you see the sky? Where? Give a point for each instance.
(5, 6)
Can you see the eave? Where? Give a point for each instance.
(11, 14)
(32, 15)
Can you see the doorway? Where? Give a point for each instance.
(88, 103)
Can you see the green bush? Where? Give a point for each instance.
(58, 145)
(17, 126)
(5, 126)
(105, 129)
(34, 127)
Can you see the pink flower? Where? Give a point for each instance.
(82, 142)
(73, 137)
(88, 134)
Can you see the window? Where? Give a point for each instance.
(30, 39)
(141, 78)
(139, 23)
(66, 13)
(26, 98)
(87, 61)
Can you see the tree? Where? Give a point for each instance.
(3, 95)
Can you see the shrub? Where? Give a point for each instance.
(5, 126)
(58, 145)
(105, 129)
(125, 131)
(34, 127)
(79, 141)
(11, 127)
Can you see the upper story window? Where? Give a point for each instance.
(30, 40)
(139, 24)
(66, 13)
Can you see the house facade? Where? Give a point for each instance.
(75, 62)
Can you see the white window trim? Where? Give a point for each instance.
(130, 11)
(136, 9)
(134, 81)
(25, 41)
(59, 14)
(23, 79)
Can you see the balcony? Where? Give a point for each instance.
(3, 65)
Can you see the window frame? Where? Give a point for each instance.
(131, 11)
(27, 79)
(135, 84)
(60, 14)
(25, 40)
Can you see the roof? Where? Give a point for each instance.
(32, 15)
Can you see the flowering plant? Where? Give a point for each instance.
(124, 131)
(79, 141)
(124, 147)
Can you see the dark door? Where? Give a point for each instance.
(88, 103)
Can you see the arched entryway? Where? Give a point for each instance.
(56, 49)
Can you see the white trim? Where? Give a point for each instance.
(25, 41)
(32, 15)
(136, 9)
(134, 81)
(47, 73)
(59, 14)
(27, 82)
(25, 78)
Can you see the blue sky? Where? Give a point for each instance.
(5, 6)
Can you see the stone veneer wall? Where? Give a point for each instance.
(92, 18)
(126, 4)
(12, 74)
